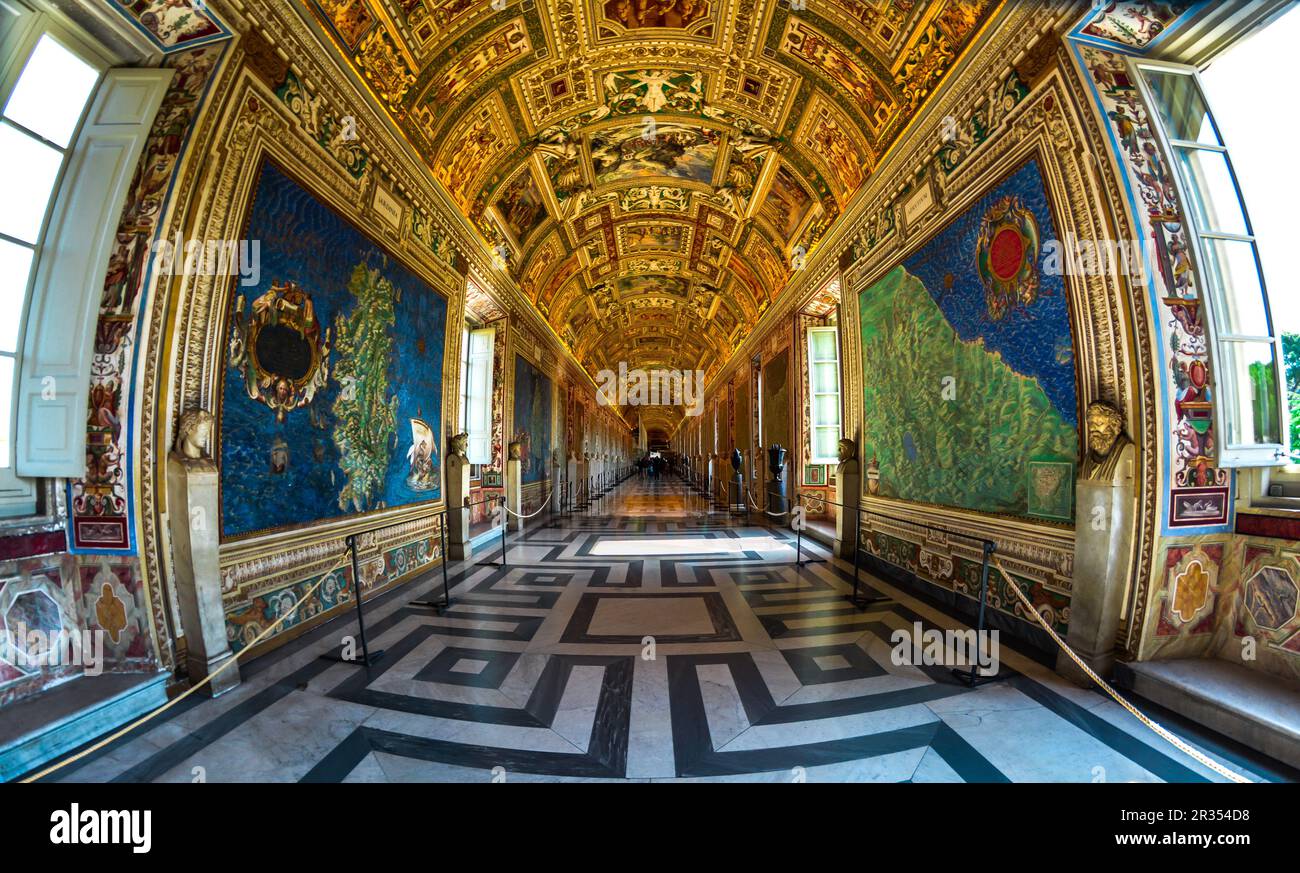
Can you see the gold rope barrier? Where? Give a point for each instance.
(234, 659)
(1162, 732)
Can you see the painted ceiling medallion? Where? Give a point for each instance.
(279, 348)
(629, 15)
(1007, 257)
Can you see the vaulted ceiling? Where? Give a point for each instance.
(651, 171)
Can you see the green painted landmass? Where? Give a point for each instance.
(365, 411)
(972, 451)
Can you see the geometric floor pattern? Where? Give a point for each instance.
(648, 641)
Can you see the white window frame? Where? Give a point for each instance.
(463, 399)
(813, 394)
(24, 29)
(476, 416)
(1226, 391)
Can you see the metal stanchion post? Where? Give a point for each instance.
(367, 657)
(505, 523)
(798, 558)
(860, 601)
(857, 546)
(974, 678)
(446, 591)
(798, 537)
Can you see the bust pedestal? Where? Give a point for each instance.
(1103, 547)
(848, 485)
(458, 539)
(776, 486)
(736, 487)
(194, 510)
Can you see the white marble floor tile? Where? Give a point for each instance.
(1030, 743)
(650, 741)
(834, 728)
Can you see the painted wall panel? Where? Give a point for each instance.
(532, 419)
(332, 395)
(968, 364)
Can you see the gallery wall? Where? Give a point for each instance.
(1225, 577)
(963, 368)
(364, 268)
(942, 279)
(533, 424)
(968, 364)
(333, 390)
(77, 566)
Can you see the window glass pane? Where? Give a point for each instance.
(1181, 106)
(826, 442)
(1232, 277)
(6, 406)
(480, 340)
(30, 170)
(826, 409)
(1214, 196)
(51, 92)
(15, 263)
(825, 377)
(1253, 370)
(823, 345)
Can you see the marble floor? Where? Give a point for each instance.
(648, 640)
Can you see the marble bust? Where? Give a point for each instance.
(458, 446)
(1107, 442)
(194, 435)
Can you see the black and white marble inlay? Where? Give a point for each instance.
(652, 641)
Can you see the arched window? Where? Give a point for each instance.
(1245, 342)
(41, 115)
(72, 126)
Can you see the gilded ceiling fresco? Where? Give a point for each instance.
(652, 171)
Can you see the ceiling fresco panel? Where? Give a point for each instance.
(650, 171)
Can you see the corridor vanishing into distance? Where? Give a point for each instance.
(648, 639)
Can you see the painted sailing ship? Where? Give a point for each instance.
(423, 457)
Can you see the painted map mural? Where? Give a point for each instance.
(776, 403)
(968, 365)
(532, 419)
(332, 402)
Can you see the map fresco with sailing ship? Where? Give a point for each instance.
(332, 402)
(968, 365)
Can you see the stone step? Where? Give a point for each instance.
(40, 728)
(1256, 709)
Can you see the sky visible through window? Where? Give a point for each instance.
(1250, 92)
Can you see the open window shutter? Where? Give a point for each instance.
(54, 381)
